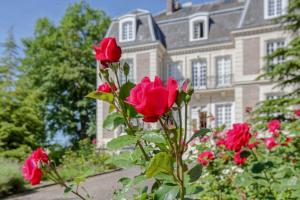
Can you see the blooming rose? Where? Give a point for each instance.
(94, 141)
(237, 137)
(238, 159)
(205, 157)
(108, 51)
(105, 87)
(40, 155)
(297, 112)
(31, 167)
(31, 172)
(273, 126)
(270, 143)
(153, 99)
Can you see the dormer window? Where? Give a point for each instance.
(198, 30)
(127, 28)
(199, 27)
(127, 32)
(275, 8)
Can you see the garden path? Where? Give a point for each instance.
(101, 187)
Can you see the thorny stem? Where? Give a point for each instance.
(127, 122)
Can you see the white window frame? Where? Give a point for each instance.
(231, 113)
(276, 60)
(198, 78)
(203, 17)
(225, 76)
(284, 5)
(126, 19)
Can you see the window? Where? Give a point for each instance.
(175, 71)
(271, 47)
(198, 30)
(223, 115)
(130, 76)
(127, 28)
(275, 8)
(199, 117)
(272, 96)
(127, 32)
(199, 74)
(199, 26)
(223, 71)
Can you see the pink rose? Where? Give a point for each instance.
(31, 172)
(153, 99)
(270, 143)
(31, 167)
(238, 159)
(105, 87)
(297, 112)
(273, 126)
(237, 137)
(40, 155)
(94, 141)
(108, 51)
(205, 157)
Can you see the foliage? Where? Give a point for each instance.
(84, 161)
(21, 127)
(60, 66)
(285, 74)
(11, 180)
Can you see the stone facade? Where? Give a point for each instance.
(223, 67)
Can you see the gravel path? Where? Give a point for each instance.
(100, 187)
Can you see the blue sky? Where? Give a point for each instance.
(22, 14)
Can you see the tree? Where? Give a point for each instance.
(285, 74)
(21, 127)
(61, 66)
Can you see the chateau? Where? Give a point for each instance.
(220, 46)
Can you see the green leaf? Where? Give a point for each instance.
(121, 160)
(67, 190)
(107, 97)
(156, 138)
(79, 179)
(195, 173)
(113, 120)
(124, 93)
(245, 154)
(161, 162)
(121, 141)
(258, 167)
(167, 192)
(202, 132)
(125, 90)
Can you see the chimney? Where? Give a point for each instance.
(170, 6)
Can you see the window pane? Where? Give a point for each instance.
(223, 71)
(198, 30)
(127, 31)
(224, 115)
(199, 73)
(271, 7)
(175, 71)
(273, 46)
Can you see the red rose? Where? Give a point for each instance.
(238, 159)
(105, 87)
(273, 126)
(31, 167)
(237, 137)
(205, 157)
(153, 99)
(31, 172)
(108, 51)
(40, 155)
(297, 112)
(94, 141)
(270, 143)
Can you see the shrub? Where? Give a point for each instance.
(11, 180)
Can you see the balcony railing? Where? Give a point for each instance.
(215, 82)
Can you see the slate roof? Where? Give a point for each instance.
(172, 30)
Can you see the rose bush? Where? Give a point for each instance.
(239, 163)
